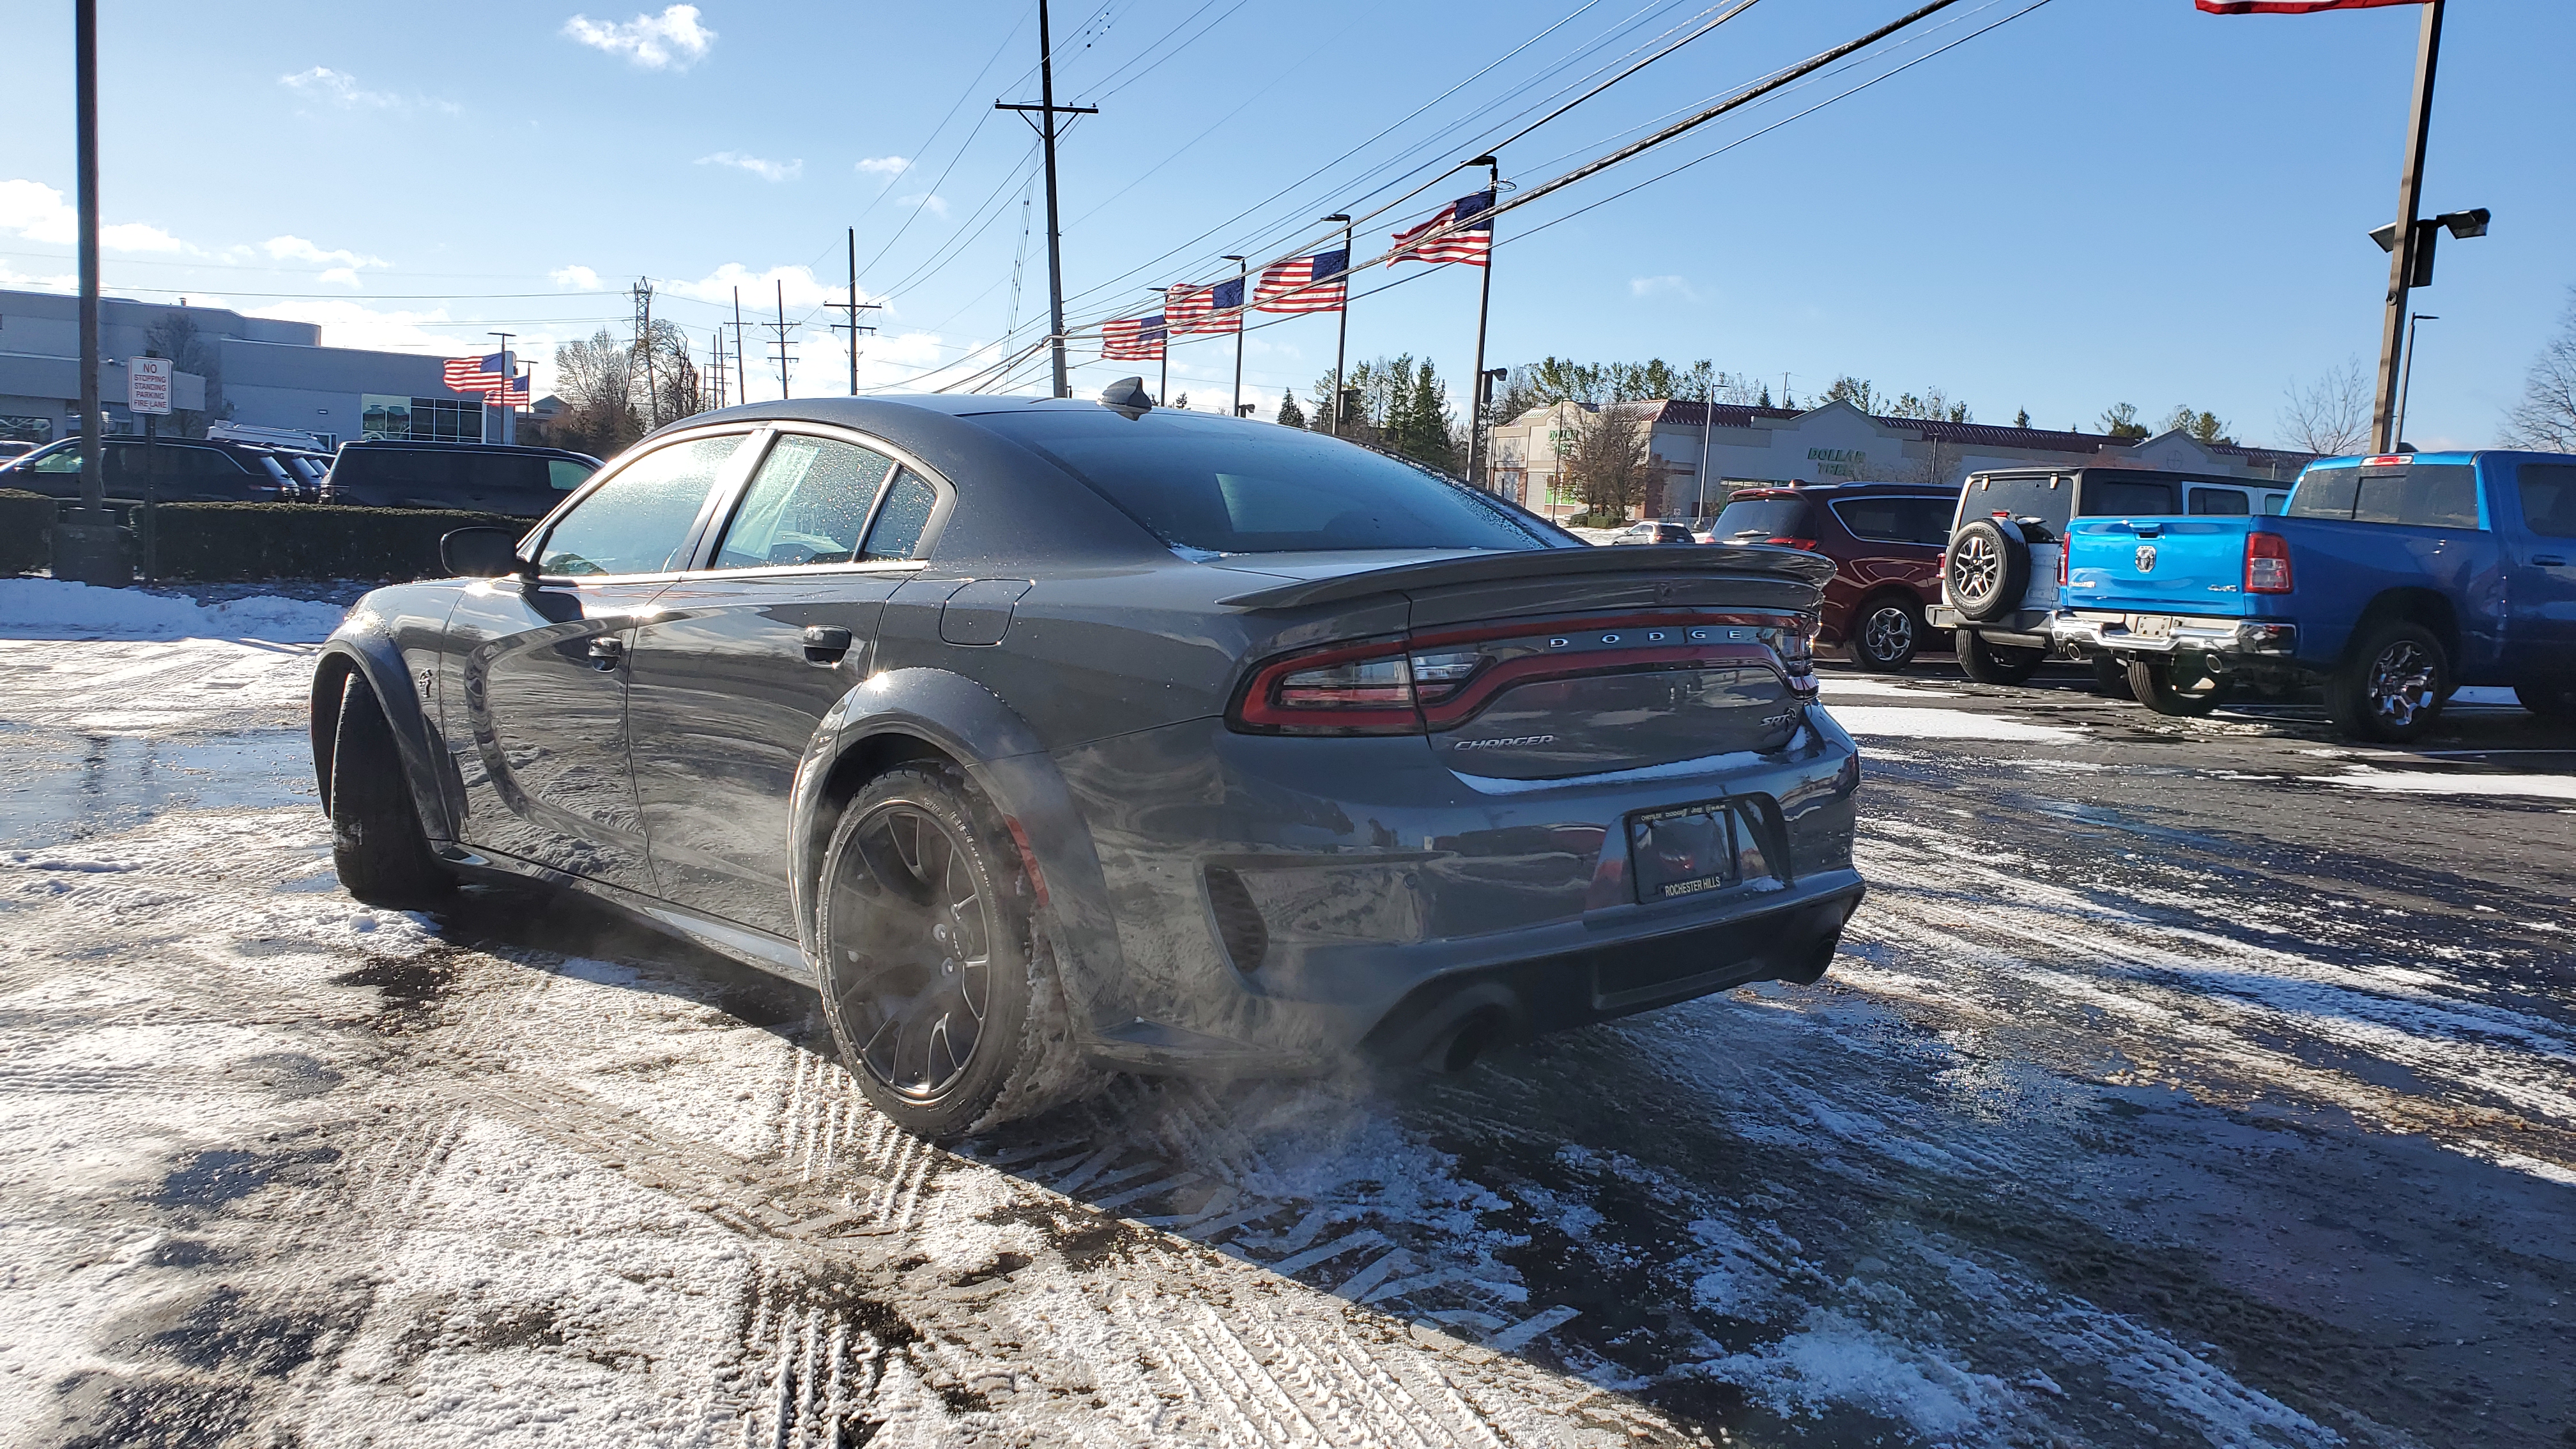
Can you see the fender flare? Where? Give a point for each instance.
(1003, 758)
(363, 646)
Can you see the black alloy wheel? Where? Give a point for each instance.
(377, 844)
(940, 997)
(1995, 663)
(2393, 684)
(1886, 632)
(2175, 685)
(1986, 569)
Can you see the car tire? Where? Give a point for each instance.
(2153, 681)
(2111, 677)
(1995, 663)
(1986, 569)
(2554, 699)
(1886, 632)
(929, 933)
(377, 843)
(2392, 685)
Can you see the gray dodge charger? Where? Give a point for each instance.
(1047, 738)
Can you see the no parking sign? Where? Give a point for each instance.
(147, 385)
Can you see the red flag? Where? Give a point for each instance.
(2292, 7)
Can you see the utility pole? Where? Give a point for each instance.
(509, 369)
(1484, 304)
(741, 381)
(2401, 254)
(1047, 111)
(91, 550)
(1342, 332)
(1708, 420)
(2406, 376)
(643, 293)
(716, 362)
(1163, 392)
(1242, 269)
(855, 308)
(781, 327)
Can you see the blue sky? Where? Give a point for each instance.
(2101, 201)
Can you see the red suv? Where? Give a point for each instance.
(1885, 540)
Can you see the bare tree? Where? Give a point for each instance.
(2545, 419)
(599, 383)
(2330, 416)
(1607, 458)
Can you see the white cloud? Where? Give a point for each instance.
(343, 264)
(1666, 285)
(39, 213)
(765, 170)
(672, 39)
(580, 279)
(935, 205)
(761, 290)
(888, 167)
(337, 86)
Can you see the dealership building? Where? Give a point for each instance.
(268, 373)
(1746, 446)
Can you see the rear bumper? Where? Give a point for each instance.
(2020, 629)
(2092, 632)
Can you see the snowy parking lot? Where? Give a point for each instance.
(2181, 1082)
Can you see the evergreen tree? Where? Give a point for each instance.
(2022, 419)
(2120, 420)
(1290, 415)
(1766, 396)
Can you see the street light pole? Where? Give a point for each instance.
(510, 370)
(2401, 254)
(85, 124)
(1242, 269)
(1342, 336)
(1484, 305)
(2406, 375)
(1163, 351)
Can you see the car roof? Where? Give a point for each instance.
(1831, 491)
(379, 445)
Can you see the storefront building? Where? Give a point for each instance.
(266, 373)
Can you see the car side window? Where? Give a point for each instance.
(636, 521)
(66, 461)
(903, 519)
(566, 474)
(2548, 498)
(2220, 502)
(806, 505)
(2426, 495)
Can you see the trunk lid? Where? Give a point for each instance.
(1564, 663)
(2190, 566)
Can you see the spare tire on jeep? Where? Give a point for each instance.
(1987, 568)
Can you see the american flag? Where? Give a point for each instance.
(1207, 309)
(1305, 284)
(1132, 339)
(512, 393)
(478, 374)
(2293, 7)
(1466, 234)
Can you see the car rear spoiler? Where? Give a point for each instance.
(1763, 561)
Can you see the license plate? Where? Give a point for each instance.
(1682, 851)
(2151, 626)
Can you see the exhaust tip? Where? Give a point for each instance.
(1458, 1048)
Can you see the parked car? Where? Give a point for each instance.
(188, 471)
(15, 448)
(2000, 580)
(2390, 580)
(1654, 530)
(1885, 540)
(1045, 736)
(482, 477)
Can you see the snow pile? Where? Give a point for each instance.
(2461, 782)
(1866, 721)
(55, 609)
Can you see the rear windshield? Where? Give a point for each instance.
(2421, 495)
(2222, 502)
(1222, 486)
(2053, 499)
(1898, 520)
(1764, 518)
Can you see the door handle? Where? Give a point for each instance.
(825, 644)
(606, 651)
(2548, 561)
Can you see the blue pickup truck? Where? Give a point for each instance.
(2390, 581)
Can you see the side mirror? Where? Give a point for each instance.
(481, 553)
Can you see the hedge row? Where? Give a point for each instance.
(26, 531)
(214, 541)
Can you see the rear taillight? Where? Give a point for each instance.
(2062, 552)
(1808, 544)
(2267, 563)
(1439, 681)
